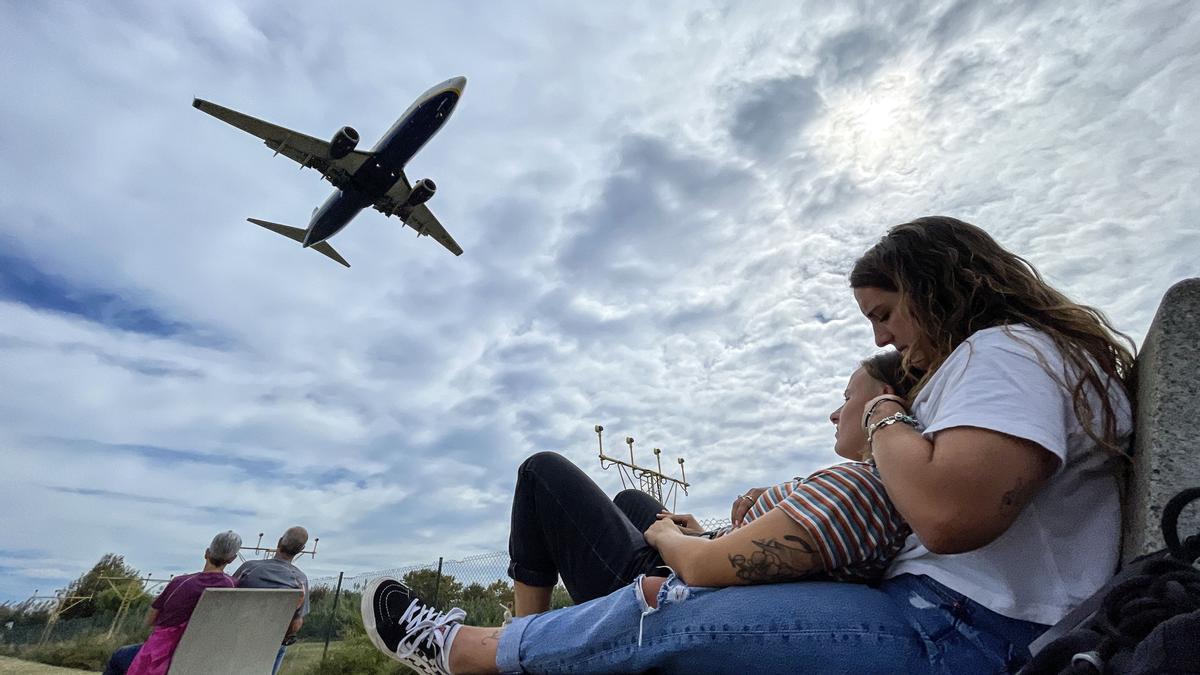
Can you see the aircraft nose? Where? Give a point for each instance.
(458, 83)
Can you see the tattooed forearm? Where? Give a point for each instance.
(776, 561)
(493, 636)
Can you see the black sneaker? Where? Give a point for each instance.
(401, 626)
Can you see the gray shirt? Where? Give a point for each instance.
(273, 573)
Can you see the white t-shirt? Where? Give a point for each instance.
(1064, 544)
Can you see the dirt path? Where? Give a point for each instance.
(11, 666)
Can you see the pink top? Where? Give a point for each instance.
(177, 601)
(154, 658)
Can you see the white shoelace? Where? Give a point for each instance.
(426, 627)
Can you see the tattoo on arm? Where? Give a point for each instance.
(493, 636)
(1015, 497)
(776, 561)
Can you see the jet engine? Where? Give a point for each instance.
(421, 192)
(343, 142)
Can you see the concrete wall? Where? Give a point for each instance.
(235, 631)
(1167, 433)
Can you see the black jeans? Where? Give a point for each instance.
(564, 525)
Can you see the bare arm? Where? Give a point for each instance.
(964, 489)
(298, 620)
(770, 549)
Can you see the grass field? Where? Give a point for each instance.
(300, 656)
(11, 666)
(298, 659)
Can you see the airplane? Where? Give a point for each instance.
(362, 179)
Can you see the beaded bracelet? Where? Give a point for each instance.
(874, 403)
(889, 420)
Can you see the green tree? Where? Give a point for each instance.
(108, 601)
(24, 613)
(485, 605)
(92, 584)
(503, 592)
(559, 598)
(475, 592)
(348, 620)
(427, 586)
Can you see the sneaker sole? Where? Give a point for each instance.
(367, 609)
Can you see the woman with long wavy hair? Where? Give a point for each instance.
(1003, 461)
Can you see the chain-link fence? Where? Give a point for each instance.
(37, 629)
(483, 569)
(478, 584)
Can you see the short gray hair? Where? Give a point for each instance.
(224, 548)
(293, 541)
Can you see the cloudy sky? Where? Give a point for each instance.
(659, 204)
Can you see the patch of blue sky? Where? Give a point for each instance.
(20, 554)
(262, 469)
(124, 496)
(336, 475)
(23, 281)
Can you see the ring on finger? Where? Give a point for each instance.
(746, 497)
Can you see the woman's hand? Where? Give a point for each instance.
(687, 522)
(742, 505)
(663, 527)
(770, 549)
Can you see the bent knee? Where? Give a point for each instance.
(650, 588)
(630, 497)
(541, 460)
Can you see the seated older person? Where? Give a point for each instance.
(280, 572)
(171, 610)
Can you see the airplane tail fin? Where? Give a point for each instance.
(297, 234)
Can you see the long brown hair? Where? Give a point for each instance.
(954, 280)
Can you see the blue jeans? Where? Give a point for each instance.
(121, 659)
(909, 624)
(278, 659)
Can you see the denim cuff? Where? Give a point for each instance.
(531, 577)
(508, 649)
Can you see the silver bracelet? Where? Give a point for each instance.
(875, 404)
(889, 420)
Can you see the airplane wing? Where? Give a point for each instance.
(304, 149)
(420, 218)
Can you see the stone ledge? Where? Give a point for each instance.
(1167, 426)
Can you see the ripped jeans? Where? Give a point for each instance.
(909, 624)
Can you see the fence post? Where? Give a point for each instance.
(332, 618)
(437, 584)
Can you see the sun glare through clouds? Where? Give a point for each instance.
(875, 128)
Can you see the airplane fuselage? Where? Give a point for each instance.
(376, 176)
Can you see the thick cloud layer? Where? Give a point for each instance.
(658, 205)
